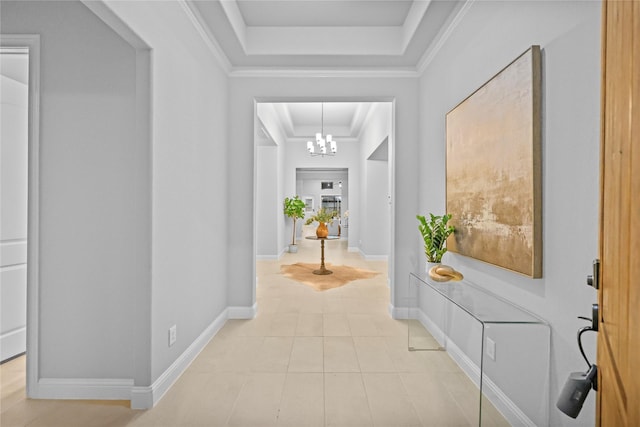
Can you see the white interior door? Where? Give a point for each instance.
(13, 201)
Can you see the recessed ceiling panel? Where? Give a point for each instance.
(305, 119)
(324, 13)
(365, 35)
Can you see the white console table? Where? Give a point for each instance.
(503, 348)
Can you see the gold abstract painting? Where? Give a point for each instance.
(494, 170)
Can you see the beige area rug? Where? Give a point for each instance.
(342, 274)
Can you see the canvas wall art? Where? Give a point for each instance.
(494, 171)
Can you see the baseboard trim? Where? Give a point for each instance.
(141, 397)
(376, 257)
(147, 397)
(242, 312)
(267, 257)
(401, 313)
(13, 343)
(397, 312)
(496, 396)
(84, 388)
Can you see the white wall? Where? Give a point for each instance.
(488, 38)
(243, 92)
(268, 207)
(190, 192)
(13, 216)
(310, 186)
(375, 207)
(271, 240)
(94, 248)
(102, 200)
(376, 181)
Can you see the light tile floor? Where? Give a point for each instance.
(309, 358)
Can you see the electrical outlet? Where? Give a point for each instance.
(173, 335)
(491, 348)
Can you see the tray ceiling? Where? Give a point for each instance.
(324, 34)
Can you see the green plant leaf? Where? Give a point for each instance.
(434, 233)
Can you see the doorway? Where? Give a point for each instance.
(328, 189)
(365, 146)
(14, 86)
(24, 238)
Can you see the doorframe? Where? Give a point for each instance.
(32, 43)
(391, 176)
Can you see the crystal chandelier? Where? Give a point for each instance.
(322, 142)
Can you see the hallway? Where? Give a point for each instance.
(309, 358)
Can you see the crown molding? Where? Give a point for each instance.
(104, 12)
(239, 27)
(240, 72)
(443, 35)
(203, 30)
(412, 22)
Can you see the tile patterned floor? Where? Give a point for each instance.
(309, 358)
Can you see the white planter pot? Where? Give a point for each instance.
(429, 265)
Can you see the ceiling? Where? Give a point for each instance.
(300, 121)
(339, 119)
(323, 34)
(296, 36)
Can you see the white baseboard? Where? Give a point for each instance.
(83, 388)
(401, 313)
(242, 312)
(142, 397)
(501, 401)
(147, 397)
(13, 343)
(430, 326)
(397, 313)
(267, 257)
(375, 257)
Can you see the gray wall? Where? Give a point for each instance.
(105, 192)
(94, 248)
(488, 38)
(376, 182)
(275, 227)
(268, 206)
(190, 209)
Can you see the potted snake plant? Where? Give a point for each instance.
(434, 233)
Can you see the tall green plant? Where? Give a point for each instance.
(294, 209)
(434, 233)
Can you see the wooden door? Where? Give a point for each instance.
(618, 402)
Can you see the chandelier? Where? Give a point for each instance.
(322, 142)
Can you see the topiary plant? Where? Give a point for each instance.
(294, 209)
(434, 233)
